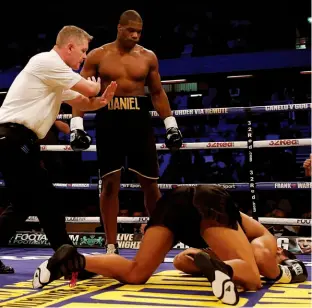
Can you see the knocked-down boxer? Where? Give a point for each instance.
(186, 214)
(273, 262)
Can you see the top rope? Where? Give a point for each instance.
(289, 106)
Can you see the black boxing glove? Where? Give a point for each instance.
(292, 271)
(174, 137)
(79, 139)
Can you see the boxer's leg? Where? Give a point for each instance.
(234, 262)
(265, 250)
(232, 247)
(165, 228)
(151, 192)
(111, 153)
(143, 160)
(109, 203)
(156, 242)
(224, 236)
(264, 246)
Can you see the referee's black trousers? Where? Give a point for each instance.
(29, 186)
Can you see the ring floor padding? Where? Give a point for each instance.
(166, 288)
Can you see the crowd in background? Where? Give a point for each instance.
(176, 31)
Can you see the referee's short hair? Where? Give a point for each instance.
(72, 32)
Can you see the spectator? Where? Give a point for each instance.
(304, 244)
(281, 230)
(305, 230)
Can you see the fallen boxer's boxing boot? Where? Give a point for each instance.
(220, 276)
(4, 269)
(65, 261)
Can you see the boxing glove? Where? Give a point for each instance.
(79, 139)
(292, 271)
(173, 139)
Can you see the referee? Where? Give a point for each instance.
(28, 112)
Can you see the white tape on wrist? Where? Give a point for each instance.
(170, 122)
(76, 123)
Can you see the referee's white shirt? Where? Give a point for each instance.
(36, 94)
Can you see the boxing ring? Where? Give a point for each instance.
(167, 287)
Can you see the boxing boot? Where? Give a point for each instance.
(66, 260)
(220, 276)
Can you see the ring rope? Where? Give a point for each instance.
(204, 145)
(263, 220)
(290, 106)
(162, 186)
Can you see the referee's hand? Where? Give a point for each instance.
(307, 166)
(97, 83)
(105, 98)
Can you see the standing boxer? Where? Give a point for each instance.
(123, 128)
(28, 112)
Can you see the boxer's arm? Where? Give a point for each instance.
(184, 262)
(263, 245)
(259, 237)
(173, 138)
(252, 227)
(158, 95)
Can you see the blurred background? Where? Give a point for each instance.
(227, 55)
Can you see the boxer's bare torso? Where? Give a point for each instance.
(129, 69)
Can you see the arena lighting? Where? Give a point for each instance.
(195, 95)
(3, 92)
(173, 81)
(239, 76)
(305, 72)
